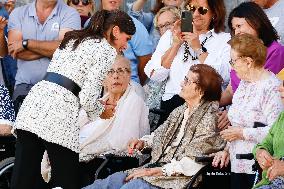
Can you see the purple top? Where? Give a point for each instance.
(274, 63)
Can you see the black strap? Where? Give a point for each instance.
(63, 82)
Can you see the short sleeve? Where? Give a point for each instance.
(71, 20)
(141, 42)
(14, 22)
(7, 113)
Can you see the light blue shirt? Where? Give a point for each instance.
(25, 19)
(139, 45)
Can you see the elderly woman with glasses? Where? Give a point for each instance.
(257, 99)
(111, 132)
(85, 8)
(190, 131)
(177, 51)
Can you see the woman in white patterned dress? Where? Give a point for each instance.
(48, 118)
(257, 99)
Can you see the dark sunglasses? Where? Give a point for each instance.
(201, 10)
(84, 2)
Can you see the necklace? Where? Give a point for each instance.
(187, 52)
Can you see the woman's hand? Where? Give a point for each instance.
(223, 121)
(232, 133)
(144, 172)
(192, 39)
(135, 144)
(177, 39)
(264, 159)
(222, 158)
(109, 110)
(277, 169)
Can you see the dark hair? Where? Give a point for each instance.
(99, 24)
(247, 45)
(257, 19)
(209, 81)
(219, 14)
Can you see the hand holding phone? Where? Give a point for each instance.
(186, 21)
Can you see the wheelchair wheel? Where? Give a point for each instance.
(6, 168)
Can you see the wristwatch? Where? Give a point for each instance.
(25, 43)
(201, 51)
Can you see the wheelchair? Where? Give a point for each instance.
(7, 153)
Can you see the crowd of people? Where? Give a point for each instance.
(89, 75)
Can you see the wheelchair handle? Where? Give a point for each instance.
(248, 156)
(204, 159)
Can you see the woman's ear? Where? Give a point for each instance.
(115, 31)
(250, 62)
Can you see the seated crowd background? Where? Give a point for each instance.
(191, 76)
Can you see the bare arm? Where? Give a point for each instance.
(141, 65)
(3, 43)
(170, 54)
(36, 49)
(227, 96)
(138, 5)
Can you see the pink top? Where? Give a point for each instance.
(274, 62)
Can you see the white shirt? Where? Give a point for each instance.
(218, 57)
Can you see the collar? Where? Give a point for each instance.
(32, 9)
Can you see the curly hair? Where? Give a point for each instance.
(99, 24)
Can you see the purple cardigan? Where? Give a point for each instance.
(274, 63)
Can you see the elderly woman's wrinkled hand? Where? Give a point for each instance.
(135, 144)
(264, 159)
(3, 22)
(232, 133)
(144, 172)
(222, 158)
(276, 170)
(223, 121)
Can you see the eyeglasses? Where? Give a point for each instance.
(186, 81)
(165, 26)
(233, 62)
(84, 2)
(201, 10)
(119, 71)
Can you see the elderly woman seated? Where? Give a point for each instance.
(125, 117)
(189, 131)
(270, 154)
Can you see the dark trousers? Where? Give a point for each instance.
(242, 181)
(29, 151)
(168, 106)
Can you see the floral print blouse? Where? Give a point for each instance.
(252, 102)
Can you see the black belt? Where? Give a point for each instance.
(63, 82)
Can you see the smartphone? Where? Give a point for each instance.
(186, 21)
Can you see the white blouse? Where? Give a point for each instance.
(51, 111)
(253, 102)
(218, 57)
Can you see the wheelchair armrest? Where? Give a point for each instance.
(204, 159)
(248, 156)
(157, 111)
(258, 124)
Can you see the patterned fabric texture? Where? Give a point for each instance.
(7, 113)
(51, 111)
(200, 139)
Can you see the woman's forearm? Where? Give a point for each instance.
(169, 56)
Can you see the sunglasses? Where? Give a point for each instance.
(84, 2)
(201, 10)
